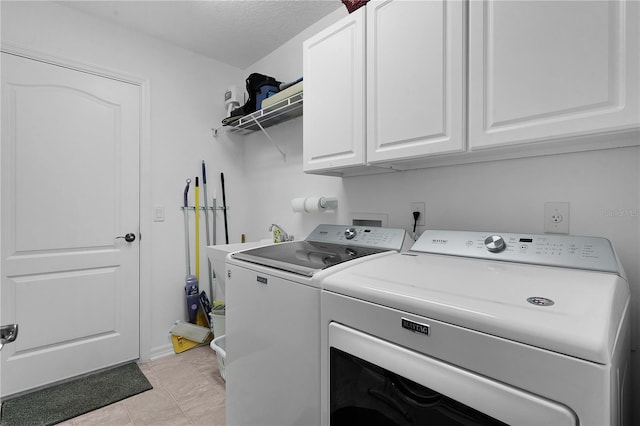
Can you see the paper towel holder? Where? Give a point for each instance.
(314, 204)
(329, 203)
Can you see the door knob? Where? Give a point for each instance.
(128, 238)
(8, 333)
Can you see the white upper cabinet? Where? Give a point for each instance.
(334, 96)
(541, 70)
(405, 102)
(450, 82)
(415, 79)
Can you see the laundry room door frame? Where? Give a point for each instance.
(144, 172)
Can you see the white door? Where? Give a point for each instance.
(70, 186)
(334, 96)
(550, 69)
(415, 79)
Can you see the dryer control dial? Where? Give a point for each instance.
(495, 243)
(350, 233)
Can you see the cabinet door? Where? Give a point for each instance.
(415, 78)
(334, 102)
(549, 69)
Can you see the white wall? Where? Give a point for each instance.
(271, 181)
(186, 92)
(602, 187)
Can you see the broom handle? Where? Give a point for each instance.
(197, 231)
(206, 217)
(224, 211)
(186, 227)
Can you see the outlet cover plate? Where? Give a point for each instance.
(556, 217)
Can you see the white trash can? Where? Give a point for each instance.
(217, 322)
(218, 345)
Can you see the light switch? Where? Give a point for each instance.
(158, 214)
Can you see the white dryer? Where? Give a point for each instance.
(272, 320)
(471, 328)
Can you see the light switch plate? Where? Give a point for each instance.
(158, 214)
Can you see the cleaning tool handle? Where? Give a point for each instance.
(206, 228)
(204, 174)
(224, 211)
(186, 229)
(186, 192)
(197, 212)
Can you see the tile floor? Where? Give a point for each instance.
(187, 390)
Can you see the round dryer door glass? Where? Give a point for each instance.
(364, 393)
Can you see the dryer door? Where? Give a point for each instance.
(377, 382)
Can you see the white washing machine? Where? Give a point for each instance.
(272, 321)
(471, 328)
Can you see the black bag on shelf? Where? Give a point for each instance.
(259, 87)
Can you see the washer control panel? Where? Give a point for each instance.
(361, 236)
(592, 253)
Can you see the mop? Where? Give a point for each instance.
(186, 226)
(201, 317)
(219, 310)
(211, 274)
(197, 212)
(205, 303)
(180, 342)
(191, 281)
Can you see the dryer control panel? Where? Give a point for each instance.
(591, 253)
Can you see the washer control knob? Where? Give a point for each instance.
(495, 243)
(350, 233)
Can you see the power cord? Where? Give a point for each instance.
(416, 215)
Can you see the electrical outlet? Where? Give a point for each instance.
(417, 206)
(556, 218)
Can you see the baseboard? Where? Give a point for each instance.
(161, 351)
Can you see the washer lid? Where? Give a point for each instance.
(326, 246)
(569, 311)
(303, 257)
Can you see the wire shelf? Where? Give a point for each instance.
(279, 112)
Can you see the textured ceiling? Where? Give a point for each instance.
(236, 32)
